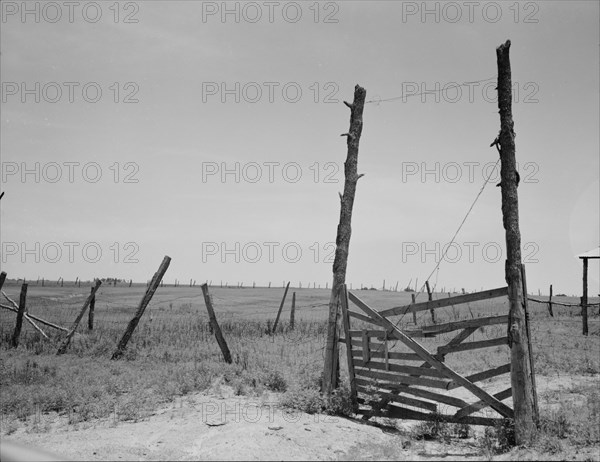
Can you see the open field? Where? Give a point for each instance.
(174, 356)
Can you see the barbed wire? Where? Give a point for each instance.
(427, 92)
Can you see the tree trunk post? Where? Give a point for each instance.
(550, 302)
(344, 232)
(19, 324)
(215, 325)
(522, 388)
(156, 280)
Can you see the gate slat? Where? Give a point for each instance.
(362, 317)
(400, 399)
(442, 302)
(481, 404)
(391, 354)
(402, 368)
(402, 378)
(444, 399)
(482, 375)
(456, 325)
(473, 345)
(409, 414)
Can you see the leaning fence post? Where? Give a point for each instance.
(156, 280)
(22, 300)
(2, 279)
(67, 340)
(91, 312)
(215, 325)
(280, 307)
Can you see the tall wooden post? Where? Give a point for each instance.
(522, 388)
(584, 299)
(17, 332)
(344, 232)
(550, 302)
(2, 279)
(156, 280)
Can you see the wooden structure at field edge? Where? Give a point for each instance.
(593, 254)
(374, 372)
(342, 241)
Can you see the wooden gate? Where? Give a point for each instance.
(416, 384)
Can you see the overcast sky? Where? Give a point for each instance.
(179, 128)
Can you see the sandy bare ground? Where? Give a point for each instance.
(221, 426)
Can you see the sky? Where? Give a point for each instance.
(210, 132)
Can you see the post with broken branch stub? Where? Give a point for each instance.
(156, 280)
(215, 325)
(344, 231)
(19, 324)
(65, 343)
(522, 387)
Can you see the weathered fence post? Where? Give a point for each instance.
(348, 339)
(280, 307)
(414, 300)
(550, 302)
(344, 231)
(293, 311)
(91, 312)
(2, 279)
(584, 299)
(67, 340)
(215, 325)
(536, 412)
(156, 280)
(430, 298)
(22, 300)
(522, 388)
